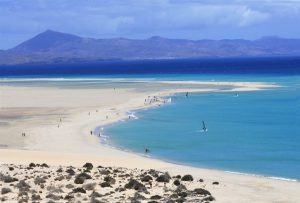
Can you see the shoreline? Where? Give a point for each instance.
(74, 131)
(142, 155)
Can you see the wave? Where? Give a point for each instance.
(266, 176)
(131, 115)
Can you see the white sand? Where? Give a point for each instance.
(38, 111)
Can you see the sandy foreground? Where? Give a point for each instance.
(57, 121)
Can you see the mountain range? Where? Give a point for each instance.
(55, 47)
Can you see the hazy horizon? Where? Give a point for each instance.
(141, 19)
(121, 37)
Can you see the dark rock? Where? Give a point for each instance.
(183, 194)
(22, 186)
(215, 183)
(79, 179)
(134, 200)
(153, 173)
(201, 191)
(146, 178)
(110, 180)
(178, 176)
(104, 172)
(5, 190)
(7, 179)
(89, 186)
(42, 186)
(54, 196)
(69, 197)
(97, 201)
(59, 178)
(138, 196)
(44, 165)
(123, 175)
(121, 189)
(180, 188)
(105, 184)
(54, 189)
(156, 197)
(176, 182)
(152, 201)
(87, 171)
(70, 171)
(95, 195)
(209, 198)
(11, 168)
(32, 165)
(35, 197)
(187, 178)
(39, 180)
(165, 178)
(180, 200)
(23, 194)
(79, 190)
(201, 180)
(170, 201)
(174, 196)
(136, 185)
(69, 186)
(88, 166)
(116, 170)
(59, 170)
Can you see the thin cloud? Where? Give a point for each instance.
(143, 18)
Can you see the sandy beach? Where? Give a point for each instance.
(57, 121)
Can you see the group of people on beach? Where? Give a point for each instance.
(154, 99)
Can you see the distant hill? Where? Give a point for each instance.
(51, 46)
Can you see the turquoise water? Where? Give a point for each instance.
(257, 132)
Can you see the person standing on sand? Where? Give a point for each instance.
(91, 132)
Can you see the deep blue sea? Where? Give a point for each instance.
(256, 132)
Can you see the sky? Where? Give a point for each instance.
(140, 19)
